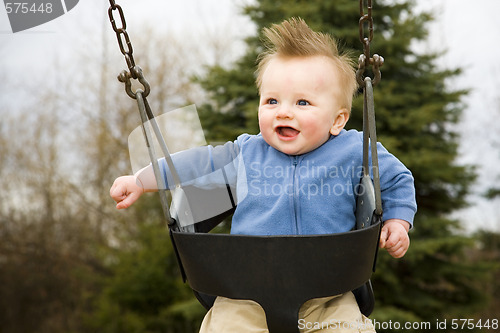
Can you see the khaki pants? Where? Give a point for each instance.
(331, 314)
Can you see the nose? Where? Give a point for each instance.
(284, 112)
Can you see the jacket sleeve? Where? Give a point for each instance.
(397, 187)
(206, 167)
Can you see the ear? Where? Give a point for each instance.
(339, 122)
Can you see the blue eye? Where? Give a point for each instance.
(272, 101)
(303, 102)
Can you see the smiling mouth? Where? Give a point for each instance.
(286, 132)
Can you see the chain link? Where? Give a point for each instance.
(134, 72)
(366, 19)
(365, 59)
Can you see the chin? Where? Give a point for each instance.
(292, 152)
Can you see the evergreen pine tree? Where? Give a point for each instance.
(414, 110)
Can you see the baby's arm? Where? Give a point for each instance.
(193, 165)
(394, 237)
(398, 203)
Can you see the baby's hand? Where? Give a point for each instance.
(125, 191)
(394, 237)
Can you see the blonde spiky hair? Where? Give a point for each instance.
(294, 38)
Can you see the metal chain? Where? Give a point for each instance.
(134, 72)
(365, 60)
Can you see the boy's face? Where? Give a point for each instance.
(299, 106)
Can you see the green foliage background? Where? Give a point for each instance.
(72, 263)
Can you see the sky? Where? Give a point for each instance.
(467, 30)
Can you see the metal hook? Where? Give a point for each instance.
(126, 77)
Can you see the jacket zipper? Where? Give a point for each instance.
(295, 194)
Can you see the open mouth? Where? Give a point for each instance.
(287, 132)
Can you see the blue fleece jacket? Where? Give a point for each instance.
(280, 194)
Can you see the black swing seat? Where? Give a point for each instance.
(282, 272)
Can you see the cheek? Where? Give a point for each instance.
(265, 120)
(316, 128)
(312, 124)
(266, 126)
